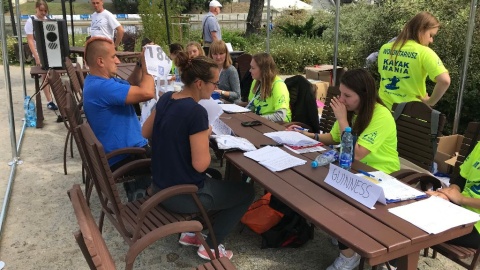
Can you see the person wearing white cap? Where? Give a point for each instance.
(210, 28)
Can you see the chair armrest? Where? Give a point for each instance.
(139, 163)
(426, 181)
(157, 234)
(402, 173)
(164, 194)
(127, 150)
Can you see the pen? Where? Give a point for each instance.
(304, 129)
(273, 144)
(369, 175)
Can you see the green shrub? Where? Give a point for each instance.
(126, 6)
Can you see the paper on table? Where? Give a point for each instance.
(291, 138)
(225, 142)
(435, 215)
(233, 108)
(274, 158)
(213, 109)
(394, 189)
(307, 149)
(220, 128)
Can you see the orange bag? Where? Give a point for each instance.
(260, 217)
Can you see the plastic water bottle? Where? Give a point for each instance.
(325, 158)
(30, 114)
(177, 75)
(346, 150)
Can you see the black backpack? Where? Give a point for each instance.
(292, 230)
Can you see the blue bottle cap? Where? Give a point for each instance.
(314, 164)
(348, 129)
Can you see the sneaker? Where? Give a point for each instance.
(344, 263)
(52, 106)
(385, 267)
(334, 241)
(221, 250)
(190, 239)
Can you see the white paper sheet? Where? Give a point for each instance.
(233, 108)
(435, 215)
(220, 128)
(225, 142)
(274, 158)
(291, 138)
(213, 109)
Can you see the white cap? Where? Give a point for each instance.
(215, 3)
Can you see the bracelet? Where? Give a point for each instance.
(315, 136)
(221, 93)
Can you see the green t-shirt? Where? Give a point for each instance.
(404, 79)
(380, 138)
(470, 170)
(279, 99)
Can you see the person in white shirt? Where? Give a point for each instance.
(104, 23)
(41, 11)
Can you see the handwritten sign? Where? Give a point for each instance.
(158, 63)
(356, 187)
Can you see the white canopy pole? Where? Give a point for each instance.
(335, 48)
(463, 79)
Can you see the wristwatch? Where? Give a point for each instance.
(221, 93)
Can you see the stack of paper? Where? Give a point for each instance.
(233, 108)
(226, 142)
(274, 158)
(291, 138)
(395, 190)
(435, 215)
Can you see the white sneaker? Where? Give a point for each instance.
(385, 267)
(344, 263)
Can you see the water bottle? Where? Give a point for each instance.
(325, 158)
(30, 114)
(346, 149)
(177, 75)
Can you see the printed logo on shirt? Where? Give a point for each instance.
(396, 66)
(370, 137)
(393, 82)
(475, 189)
(281, 100)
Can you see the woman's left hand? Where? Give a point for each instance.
(339, 109)
(453, 195)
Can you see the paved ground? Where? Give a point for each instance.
(38, 230)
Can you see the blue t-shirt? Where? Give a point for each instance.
(114, 123)
(175, 121)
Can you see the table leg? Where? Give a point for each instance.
(38, 103)
(232, 172)
(409, 261)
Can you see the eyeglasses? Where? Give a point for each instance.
(214, 83)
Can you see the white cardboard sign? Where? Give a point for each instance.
(356, 187)
(158, 63)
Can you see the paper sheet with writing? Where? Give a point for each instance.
(220, 128)
(214, 111)
(274, 158)
(396, 190)
(157, 61)
(354, 186)
(233, 108)
(291, 138)
(306, 149)
(435, 215)
(226, 142)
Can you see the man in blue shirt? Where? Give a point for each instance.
(108, 101)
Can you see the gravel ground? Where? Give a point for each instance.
(37, 233)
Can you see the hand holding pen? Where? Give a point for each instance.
(298, 128)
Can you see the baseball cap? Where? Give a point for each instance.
(215, 3)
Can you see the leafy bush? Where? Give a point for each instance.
(12, 58)
(126, 6)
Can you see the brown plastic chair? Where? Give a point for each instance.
(96, 252)
(80, 75)
(328, 117)
(242, 63)
(74, 82)
(416, 139)
(136, 219)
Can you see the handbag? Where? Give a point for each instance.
(260, 217)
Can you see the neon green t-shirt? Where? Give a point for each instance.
(279, 99)
(403, 79)
(380, 138)
(470, 170)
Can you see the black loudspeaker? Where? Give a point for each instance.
(51, 37)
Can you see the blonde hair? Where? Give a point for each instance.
(199, 47)
(219, 47)
(40, 3)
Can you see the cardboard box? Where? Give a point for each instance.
(323, 73)
(447, 152)
(320, 93)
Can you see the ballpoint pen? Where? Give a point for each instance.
(299, 128)
(369, 175)
(272, 144)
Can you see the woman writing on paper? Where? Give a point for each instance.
(464, 190)
(229, 84)
(405, 63)
(360, 108)
(269, 96)
(179, 132)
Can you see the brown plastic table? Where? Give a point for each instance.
(375, 234)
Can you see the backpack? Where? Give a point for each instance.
(292, 230)
(260, 217)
